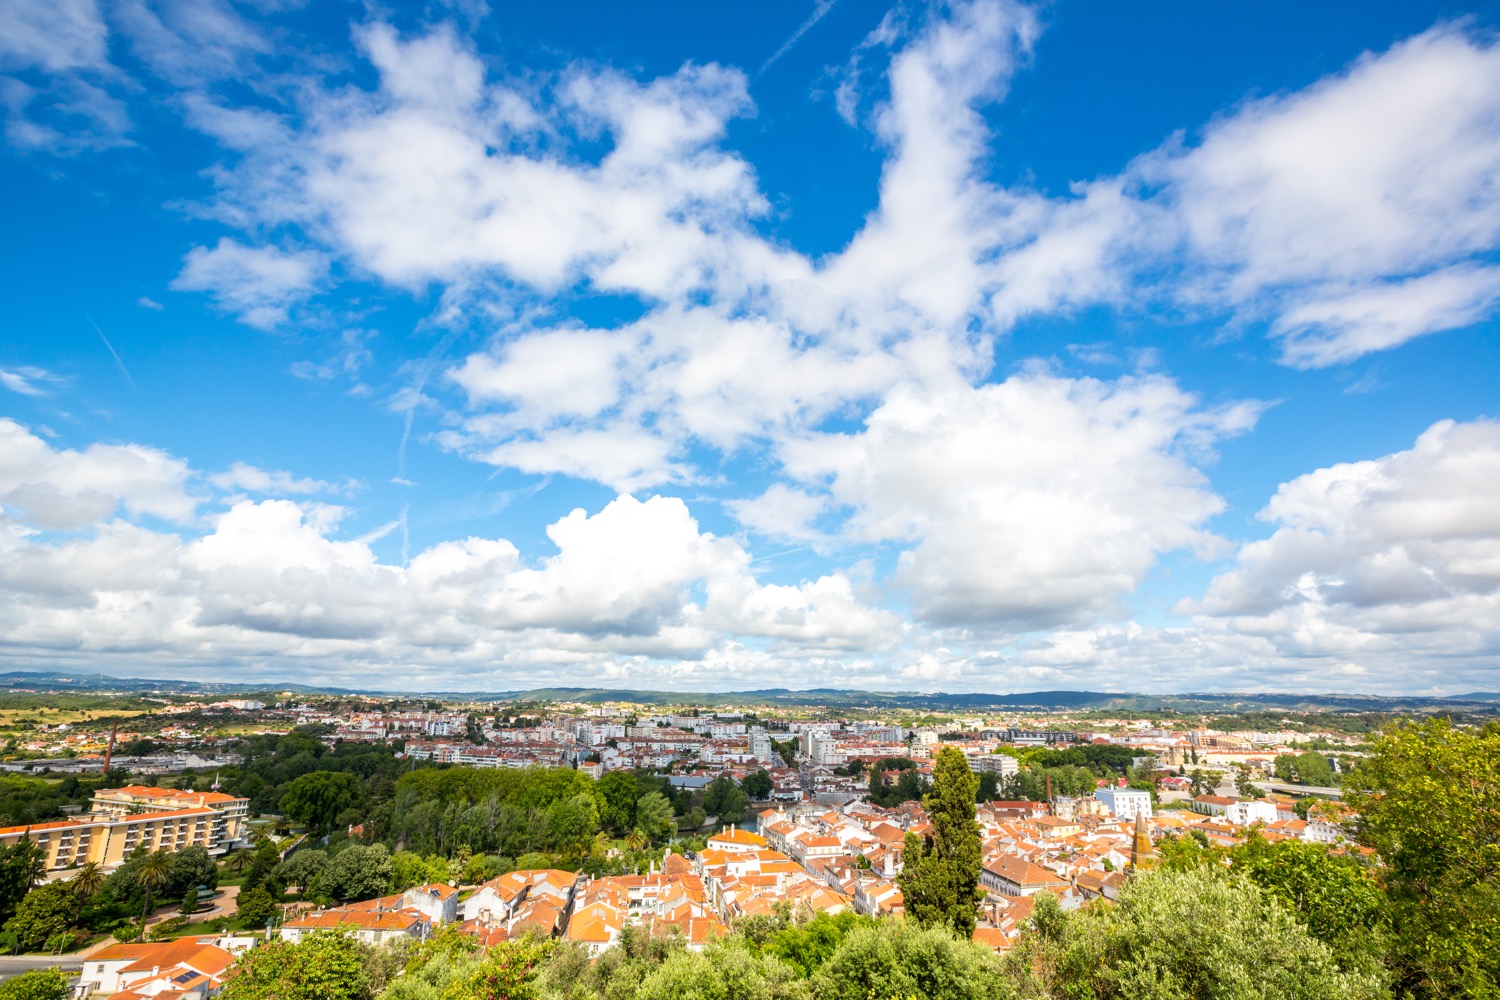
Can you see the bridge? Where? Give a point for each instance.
(1299, 790)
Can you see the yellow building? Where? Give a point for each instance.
(159, 819)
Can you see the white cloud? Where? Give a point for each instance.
(782, 512)
(258, 283)
(55, 488)
(55, 35)
(190, 42)
(1352, 215)
(23, 380)
(271, 579)
(1390, 558)
(1342, 327)
(1029, 503)
(241, 476)
(564, 373)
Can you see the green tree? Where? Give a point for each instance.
(191, 867)
(46, 911)
(409, 868)
(572, 822)
(38, 984)
(1429, 803)
(895, 961)
(723, 970)
(940, 877)
(320, 967)
(256, 907)
(1335, 895)
(1313, 769)
(618, 792)
(88, 880)
(154, 872)
(302, 869)
(653, 816)
(758, 785)
(1182, 935)
(317, 798)
(807, 946)
(724, 799)
(262, 866)
(22, 865)
(357, 872)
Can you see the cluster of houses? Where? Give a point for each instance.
(808, 858)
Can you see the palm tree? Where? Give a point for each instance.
(636, 839)
(88, 880)
(152, 874)
(238, 860)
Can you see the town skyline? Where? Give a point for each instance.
(979, 347)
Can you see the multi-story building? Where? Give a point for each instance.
(998, 763)
(1125, 803)
(159, 819)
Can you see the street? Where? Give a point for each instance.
(14, 965)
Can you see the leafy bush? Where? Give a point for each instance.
(38, 984)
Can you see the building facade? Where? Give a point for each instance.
(123, 819)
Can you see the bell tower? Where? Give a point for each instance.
(1142, 854)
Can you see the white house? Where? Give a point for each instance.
(1125, 803)
(1248, 811)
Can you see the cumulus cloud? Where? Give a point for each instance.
(62, 488)
(1374, 177)
(258, 283)
(782, 511)
(273, 577)
(1029, 503)
(1397, 556)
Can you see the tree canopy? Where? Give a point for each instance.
(1430, 806)
(940, 876)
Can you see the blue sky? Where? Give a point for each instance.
(975, 346)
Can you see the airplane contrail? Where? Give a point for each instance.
(822, 8)
(124, 372)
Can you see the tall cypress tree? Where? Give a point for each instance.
(940, 877)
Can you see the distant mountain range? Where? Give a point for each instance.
(1484, 702)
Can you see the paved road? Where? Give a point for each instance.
(14, 965)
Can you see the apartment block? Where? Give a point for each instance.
(159, 819)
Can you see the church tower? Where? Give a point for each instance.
(1142, 855)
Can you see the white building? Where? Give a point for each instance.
(1125, 803)
(1248, 811)
(823, 749)
(998, 763)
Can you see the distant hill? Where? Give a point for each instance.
(830, 698)
(1034, 700)
(52, 680)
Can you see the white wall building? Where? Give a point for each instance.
(1125, 803)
